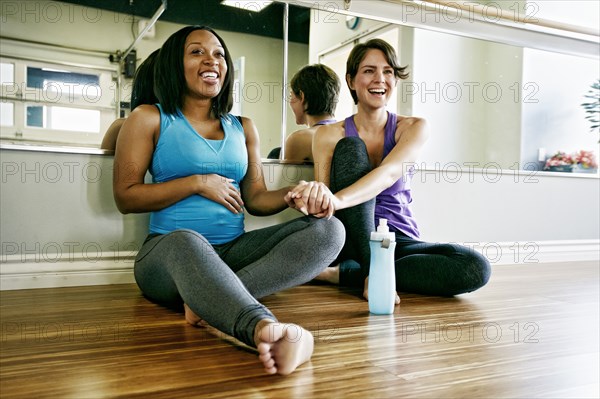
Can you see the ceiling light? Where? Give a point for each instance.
(248, 5)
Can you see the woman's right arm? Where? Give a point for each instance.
(133, 154)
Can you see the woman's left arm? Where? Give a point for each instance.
(411, 135)
(257, 199)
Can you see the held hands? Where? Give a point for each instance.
(221, 190)
(312, 198)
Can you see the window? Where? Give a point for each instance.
(7, 114)
(7, 73)
(63, 118)
(7, 78)
(55, 103)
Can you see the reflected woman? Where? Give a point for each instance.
(314, 96)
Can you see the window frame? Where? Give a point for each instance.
(22, 96)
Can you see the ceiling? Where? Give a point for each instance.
(267, 23)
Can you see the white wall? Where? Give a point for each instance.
(104, 32)
(463, 204)
(328, 29)
(60, 226)
(463, 88)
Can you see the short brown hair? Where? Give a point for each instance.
(320, 86)
(359, 52)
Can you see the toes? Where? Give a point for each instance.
(269, 364)
(265, 357)
(191, 317)
(263, 348)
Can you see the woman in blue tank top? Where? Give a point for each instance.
(367, 161)
(206, 171)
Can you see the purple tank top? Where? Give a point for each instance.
(325, 122)
(392, 203)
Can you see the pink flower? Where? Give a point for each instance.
(559, 159)
(586, 159)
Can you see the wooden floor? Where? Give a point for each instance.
(532, 332)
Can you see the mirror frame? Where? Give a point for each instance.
(533, 33)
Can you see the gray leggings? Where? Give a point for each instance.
(421, 267)
(220, 283)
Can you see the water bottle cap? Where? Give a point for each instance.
(383, 226)
(383, 232)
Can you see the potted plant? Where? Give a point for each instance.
(582, 161)
(559, 162)
(585, 162)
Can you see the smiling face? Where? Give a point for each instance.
(375, 80)
(204, 64)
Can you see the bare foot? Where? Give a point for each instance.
(282, 347)
(366, 292)
(191, 317)
(330, 275)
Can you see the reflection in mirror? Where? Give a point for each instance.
(63, 41)
(488, 105)
(54, 102)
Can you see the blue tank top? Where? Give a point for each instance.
(181, 152)
(392, 203)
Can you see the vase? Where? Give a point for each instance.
(560, 168)
(582, 169)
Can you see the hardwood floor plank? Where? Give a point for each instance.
(532, 332)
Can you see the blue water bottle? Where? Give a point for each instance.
(382, 274)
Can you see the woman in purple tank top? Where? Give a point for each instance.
(366, 161)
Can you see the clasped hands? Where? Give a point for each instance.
(312, 198)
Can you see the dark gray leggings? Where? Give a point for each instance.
(421, 267)
(220, 283)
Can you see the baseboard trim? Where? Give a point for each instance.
(510, 253)
(17, 273)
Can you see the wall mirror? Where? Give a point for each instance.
(59, 87)
(497, 93)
